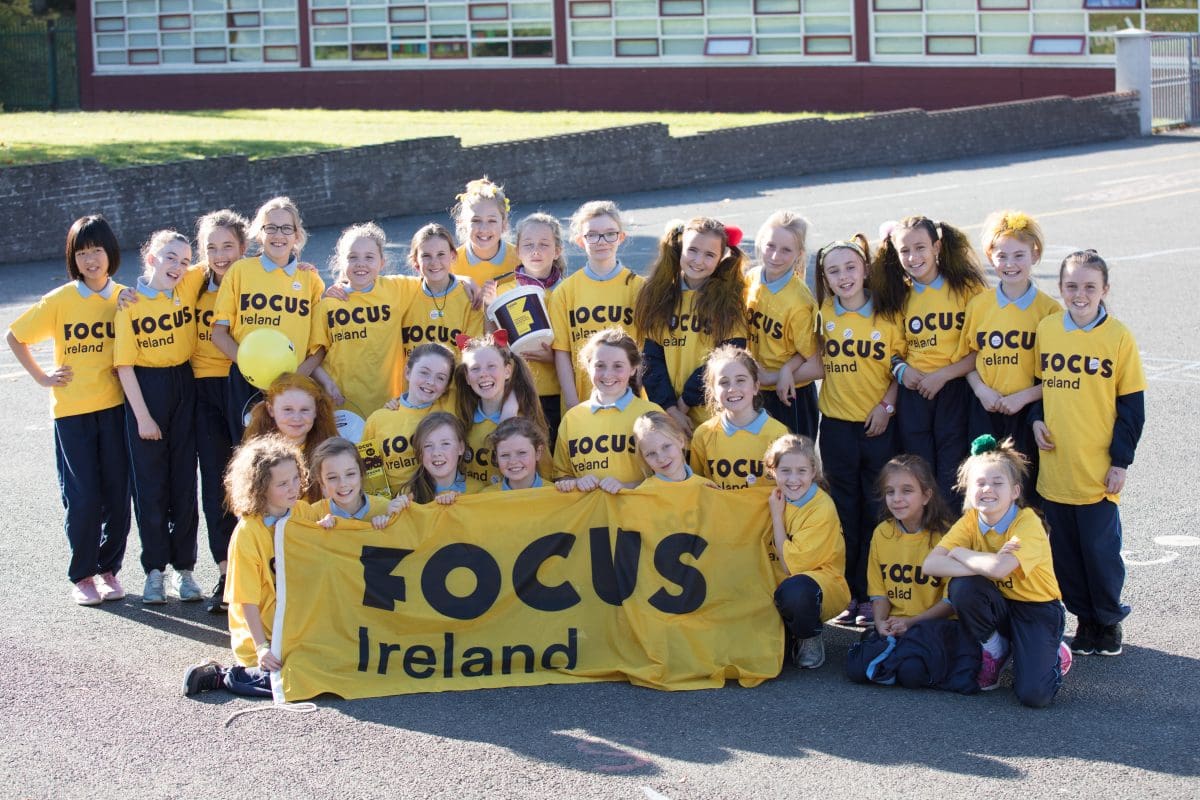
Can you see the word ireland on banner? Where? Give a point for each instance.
(670, 588)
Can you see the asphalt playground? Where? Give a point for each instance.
(90, 701)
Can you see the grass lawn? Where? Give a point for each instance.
(126, 138)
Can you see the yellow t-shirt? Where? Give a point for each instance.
(600, 443)
(392, 431)
(468, 265)
(251, 581)
(780, 323)
(1004, 338)
(207, 360)
(251, 297)
(895, 569)
(545, 377)
(734, 460)
(933, 321)
(362, 340)
(582, 306)
(158, 331)
(814, 546)
(440, 319)
(81, 323)
(1083, 373)
(686, 344)
(1033, 581)
(856, 351)
(478, 468)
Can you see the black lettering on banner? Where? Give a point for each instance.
(381, 589)
(614, 572)
(532, 591)
(668, 561)
(450, 558)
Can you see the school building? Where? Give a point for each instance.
(603, 54)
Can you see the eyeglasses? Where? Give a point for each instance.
(271, 230)
(595, 238)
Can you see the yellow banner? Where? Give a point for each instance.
(670, 587)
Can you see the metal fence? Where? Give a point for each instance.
(38, 68)
(1175, 79)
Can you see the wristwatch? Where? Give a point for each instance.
(888, 407)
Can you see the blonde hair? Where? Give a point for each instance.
(551, 222)
(475, 191)
(985, 451)
(157, 241)
(793, 223)
(1016, 224)
(248, 475)
(661, 423)
(613, 337)
(793, 444)
(592, 209)
(279, 204)
(341, 251)
(728, 352)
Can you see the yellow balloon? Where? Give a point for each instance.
(264, 355)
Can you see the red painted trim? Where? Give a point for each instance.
(846, 87)
(962, 36)
(1040, 36)
(305, 33)
(560, 32)
(862, 31)
(849, 45)
(85, 55)
(617, 47)
(163, 17)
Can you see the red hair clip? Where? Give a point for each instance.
(461, 341)
(733, 234)
(500, 337)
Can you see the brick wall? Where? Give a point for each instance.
(38, 203)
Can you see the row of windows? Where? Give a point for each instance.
(347, 32)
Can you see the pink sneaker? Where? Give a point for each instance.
(990, 669)
(1065, 659)
(110, 587)
(85, 593)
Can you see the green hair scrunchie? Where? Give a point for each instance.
(983, 444)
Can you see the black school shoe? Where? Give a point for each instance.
(203, 677)
(1084, 643)
(1108, 640)
(216, 603)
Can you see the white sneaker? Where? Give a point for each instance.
(153, 592)
(811, 652)
(189, 591)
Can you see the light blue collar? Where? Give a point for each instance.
(866, 311)
(213, 286)
(496, 259)
(337, 510)
(1069, 324)
(289, 268)
(936, 283)
(459, 485)
(537, 484)
(449, 287)
(106, 291)
(480, 416)
(146, 290)
(904, 528)
(804, 498)
(755, 425)
(1023, 302)
(687, 474)
(587, 270)
(620, 404)
(351, 290)
(776, 286)
(270, 521)
(404, 401)
(1002, 526)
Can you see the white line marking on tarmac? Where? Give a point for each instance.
(1171, 369)
(853, 200)
(653, 795)
(1177, 540)
(1168, 558)
(1156, 254)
